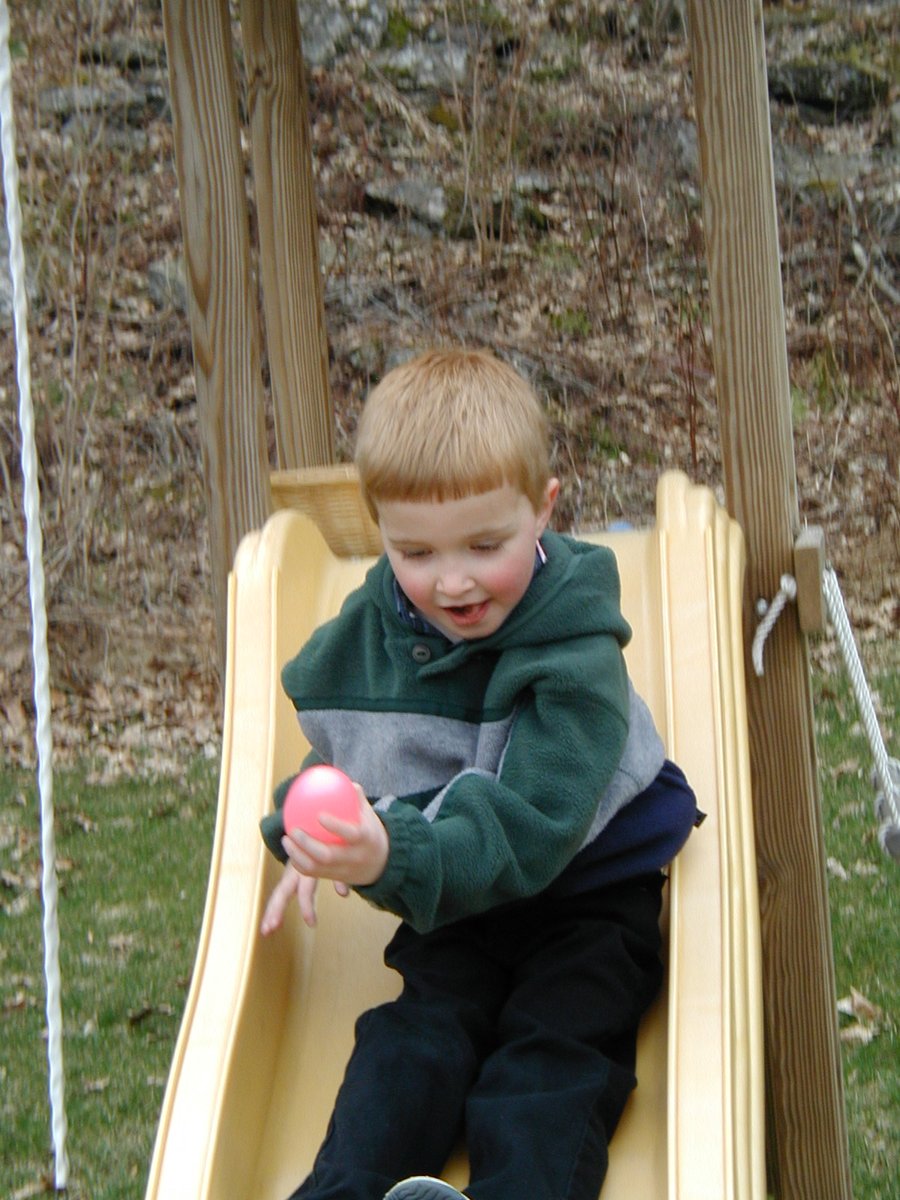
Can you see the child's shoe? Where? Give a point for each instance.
(423, 1187)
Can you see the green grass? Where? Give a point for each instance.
(864, 891)
(133, 865)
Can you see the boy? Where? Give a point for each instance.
(516, 807)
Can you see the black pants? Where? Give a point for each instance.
(516, 1029)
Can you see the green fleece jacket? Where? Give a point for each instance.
(492, 762)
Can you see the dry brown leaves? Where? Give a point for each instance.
(605, 309)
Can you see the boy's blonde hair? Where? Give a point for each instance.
(448, 424)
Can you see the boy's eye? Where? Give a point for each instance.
(407, 554)
(486, 547)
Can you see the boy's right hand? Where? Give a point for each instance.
(357, 859)
(304, 887)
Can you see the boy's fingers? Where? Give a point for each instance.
(363, 800)
(298, 851)
(348, 830)
(274, 914)
(306, 897)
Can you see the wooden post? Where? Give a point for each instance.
(221, 302)
(808, 1155)
(288, 233)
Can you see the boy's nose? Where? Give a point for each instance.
(453, 582)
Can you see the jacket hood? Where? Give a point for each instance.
(579, 579)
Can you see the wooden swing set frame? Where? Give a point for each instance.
(807, 1152)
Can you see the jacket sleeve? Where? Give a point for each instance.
(488, 839)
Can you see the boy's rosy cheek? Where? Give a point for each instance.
(509, 583)
(418, 596)
(415, 587)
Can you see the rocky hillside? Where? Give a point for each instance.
(520, 175)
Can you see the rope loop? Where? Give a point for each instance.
(770, 612)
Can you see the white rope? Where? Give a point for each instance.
(770, 614)
(887, 770)
(34, 551)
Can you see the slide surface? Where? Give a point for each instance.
(268, 1024)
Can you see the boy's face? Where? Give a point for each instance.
(465, 564)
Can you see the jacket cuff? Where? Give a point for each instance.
(272, 829)
(387, 891)
(272, 824)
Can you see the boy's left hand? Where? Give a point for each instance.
(357, 861)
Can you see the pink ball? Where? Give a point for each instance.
(320, 790)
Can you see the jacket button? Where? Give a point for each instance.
(421, 653)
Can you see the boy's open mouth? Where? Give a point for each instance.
(464, 615)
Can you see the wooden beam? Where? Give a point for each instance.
(221, 301)
(808, 1155)
(294, 310)
(809, 569)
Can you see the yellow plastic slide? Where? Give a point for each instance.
(268, 1024)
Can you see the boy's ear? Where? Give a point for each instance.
(551, 494)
